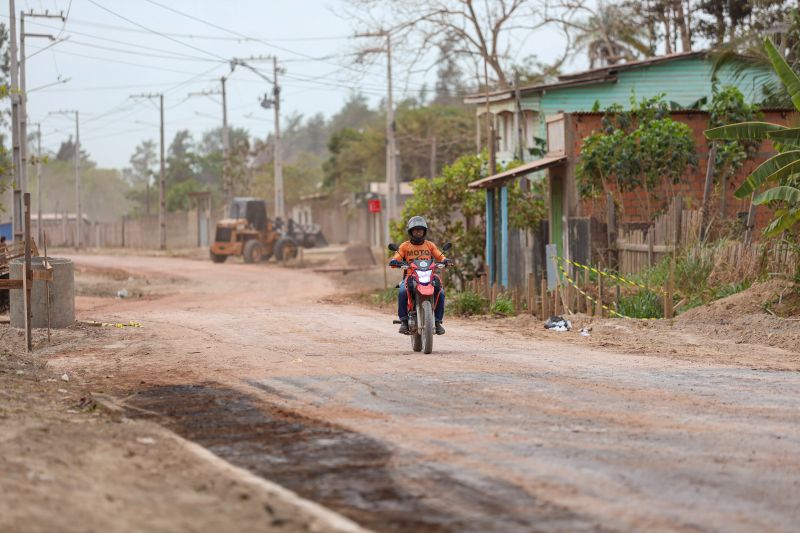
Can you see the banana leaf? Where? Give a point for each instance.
(789, 135)
(764, 171)
(782, 222)
(784, 193)
(756, 131)
(784, 72)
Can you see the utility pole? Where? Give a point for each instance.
(77, 157)
(226, 142)
(392, 155)
(78, 212)
(274, 103)
(21, 100)
(489, 124)
(15, 138)
(276, 97)
(226, 147)
(39, 229)
(162, 188)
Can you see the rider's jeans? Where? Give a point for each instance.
(402, 303)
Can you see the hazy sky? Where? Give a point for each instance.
(108, 58)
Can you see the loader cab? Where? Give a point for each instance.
(251, 209)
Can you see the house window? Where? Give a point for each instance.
(531, 129)
(505, 131)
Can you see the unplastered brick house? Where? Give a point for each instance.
(561, 114)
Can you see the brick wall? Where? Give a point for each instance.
(694, 178)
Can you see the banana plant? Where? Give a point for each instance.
(782, 168)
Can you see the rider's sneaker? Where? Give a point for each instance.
(403, 327)
(439, 329)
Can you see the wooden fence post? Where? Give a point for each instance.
(587, 302)
(611, 229)
(545, 309)
(668, 310)
(712, 158)
(532, 293)
(599, 308)
(557, 300)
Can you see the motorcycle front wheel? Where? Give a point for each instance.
(416, 337)
(427, 327)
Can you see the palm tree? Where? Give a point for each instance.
(783, 168)
(611, 35)
(745, 51)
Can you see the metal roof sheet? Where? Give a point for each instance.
(503, 177)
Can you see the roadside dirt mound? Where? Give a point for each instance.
(772, 294)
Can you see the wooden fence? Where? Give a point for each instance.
(591, 295)
(639, 249)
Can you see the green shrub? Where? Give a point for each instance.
(467, 303)
(503, 306)
(641, 304)
(731, 289)
(384, 297)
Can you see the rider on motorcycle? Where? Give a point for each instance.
(413, 249)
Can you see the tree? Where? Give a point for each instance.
(449, 75)
(144, 162)
(181, 159)
(302, 177)
(727, 106)
(475, 31)
(451, 209)
(781, 169)
(431, 136)
(639, 151)
(209, 158)
(66, 152)
(5, 70)
(611, 34)
(357, 157)
(745, 50)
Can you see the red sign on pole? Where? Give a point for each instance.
(374, 206)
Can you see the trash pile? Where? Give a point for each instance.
(557, 323)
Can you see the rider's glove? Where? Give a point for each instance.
(395, 263)
(448, 262)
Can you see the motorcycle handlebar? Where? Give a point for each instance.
(406, 266)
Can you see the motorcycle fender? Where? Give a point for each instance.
(425, 290)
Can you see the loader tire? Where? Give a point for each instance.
(253, 251)
(285, 249)
(217, 258)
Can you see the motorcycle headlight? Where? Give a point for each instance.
(424, 276)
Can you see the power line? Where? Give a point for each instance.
(125, 43)
(212, 37)
(121, 62)
(120, 87)
(233, 32)
(181, 57)
(126, 19)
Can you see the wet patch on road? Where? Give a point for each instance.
(351, 473)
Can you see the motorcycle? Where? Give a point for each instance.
(422, 300)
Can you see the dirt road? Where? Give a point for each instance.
(492, 432)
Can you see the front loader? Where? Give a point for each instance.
(250, 234)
